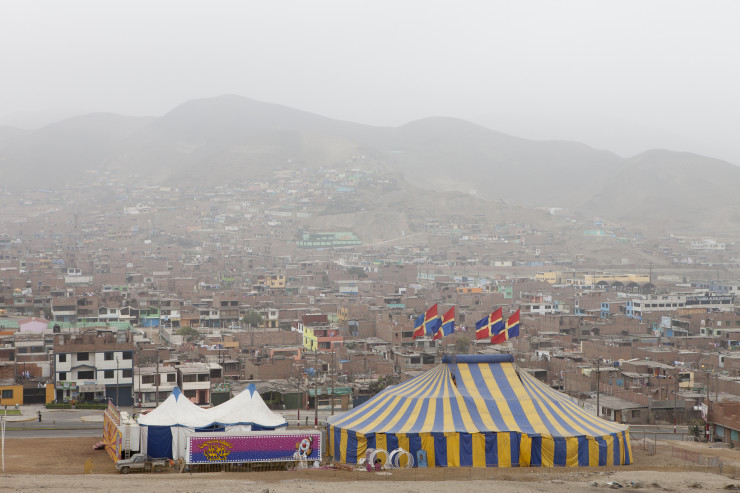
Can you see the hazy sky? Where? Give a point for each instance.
(621, 75)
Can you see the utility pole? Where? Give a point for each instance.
(675, 407)
(156, 381)
(117, 372)
(598, 386)
(316, 387)
(333, 373)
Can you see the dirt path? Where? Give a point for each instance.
(58, 464)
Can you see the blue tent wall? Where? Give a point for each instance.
(159, 442)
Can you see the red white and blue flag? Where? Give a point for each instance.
(489, 325)
(447, 326)
(509, 332)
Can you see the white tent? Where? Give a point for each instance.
(246, 412)
(164, 430)
(168, 425)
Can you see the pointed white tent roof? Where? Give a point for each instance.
(177, 410)
(247, 408)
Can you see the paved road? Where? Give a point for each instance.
(48, 433)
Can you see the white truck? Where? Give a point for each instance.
(143, 462)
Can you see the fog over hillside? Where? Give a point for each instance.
(228, 138)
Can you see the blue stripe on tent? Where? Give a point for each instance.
(485, 393)
(466, 449)
(391, 441)
(512, 400)
(514, 439)
(583, 452)
(415, 445)
(468, 402)
(491, 450)
(627, 458)
(337, 443)
(370, 440)
(540, 400)
(478, 358)
(535, 456)
(561, 451)
(159, 442)
(615, 440)
(376, 406)
(440, 450)
(602, 450)
(457, 421)
(383, 425)
(542, 404)
(351, 447)
(373, 409)
(420, 418)
(590, 425)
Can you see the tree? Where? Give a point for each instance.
(462, 345)
(189, 333)
(253, 318)
(358, 272)
(381, 383)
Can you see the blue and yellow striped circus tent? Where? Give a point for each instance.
(479, 411)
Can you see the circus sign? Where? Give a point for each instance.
(258, 446)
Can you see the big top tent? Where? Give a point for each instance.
(480, 411)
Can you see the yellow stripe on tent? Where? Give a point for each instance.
(504, 449)
(480, 403)
(525, 451)
(407, 401)
(403, 441)
(548, 452)
(543, 398)
(431, 407)
(343, 446)
(361, 445)
(524, 399)
(595, 426)
(427, 443)
(549, 417)
(412, 387)
(381, 441)
(593, 452)
(571, 452)
(499, 399)
(609, 439)
(453, 449)
(479, 450)
(411, 420)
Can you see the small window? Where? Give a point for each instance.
(171, 377)
(62, 358)
(108, 374)
(127, 355)
(635, 413)
(108, 356)
(128, 373)
(83, 356)
(7, 393)
(62, 376)
(86, 375)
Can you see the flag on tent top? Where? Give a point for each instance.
(447, 326)
(432, 320)
(419, 326)
(510, 331)
(487, 326)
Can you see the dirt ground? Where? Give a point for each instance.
(59, 465)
